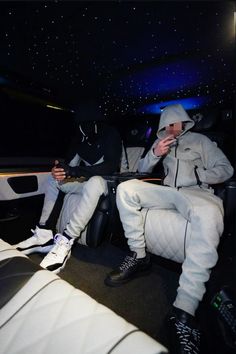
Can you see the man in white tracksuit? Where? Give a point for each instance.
(191, 163)
(95, 152)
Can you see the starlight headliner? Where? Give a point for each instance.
(127, 54)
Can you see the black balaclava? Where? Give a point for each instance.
(89, 131)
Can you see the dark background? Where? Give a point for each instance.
(128, 58)
(128, 54)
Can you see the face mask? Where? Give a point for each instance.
(88, 131)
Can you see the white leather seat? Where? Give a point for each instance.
(47, 315)
(167, 233)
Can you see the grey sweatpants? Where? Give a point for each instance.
(89, 192)
(201, 208)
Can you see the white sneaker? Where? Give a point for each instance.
(56, 259)
(41, 241)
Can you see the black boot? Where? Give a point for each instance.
(185, 336)
(129, 268)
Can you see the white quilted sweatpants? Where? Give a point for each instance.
(201, 208)
(89, 192)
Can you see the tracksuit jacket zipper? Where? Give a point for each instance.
(177, 170)
(177, 167)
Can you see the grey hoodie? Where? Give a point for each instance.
(193, 161)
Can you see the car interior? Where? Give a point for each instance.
(75, 311)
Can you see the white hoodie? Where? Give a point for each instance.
(194, 160)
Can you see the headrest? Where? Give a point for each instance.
(205, 120)
(137, 133)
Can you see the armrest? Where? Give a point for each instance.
(227, 192)
(121, 177)
(230, 205)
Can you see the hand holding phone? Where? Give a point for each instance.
(60, 170)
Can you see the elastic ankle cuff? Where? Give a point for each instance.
(67, 236)
(140, 252)
(186, 303)
(44, 227)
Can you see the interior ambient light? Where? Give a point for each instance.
(234, 31)
(55, 107)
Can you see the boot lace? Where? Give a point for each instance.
(189, 338)
(61, 246)
(34, 232)
(128, 263)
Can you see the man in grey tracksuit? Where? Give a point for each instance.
(191, 162)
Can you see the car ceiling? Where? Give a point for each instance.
(131, 56)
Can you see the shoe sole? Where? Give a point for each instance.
(141, 273)
(56, 271)
(38, 249)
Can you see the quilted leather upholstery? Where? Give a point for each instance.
(48, 315)
(167, 233)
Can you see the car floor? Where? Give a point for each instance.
(146, 300)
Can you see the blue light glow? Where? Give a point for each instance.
(165, 78)
(148, 133)
(187, 103)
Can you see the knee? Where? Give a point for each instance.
(216, 214)
(97, 184)
(126, 189)
(213, 218)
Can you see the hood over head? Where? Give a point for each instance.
(173, 114)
